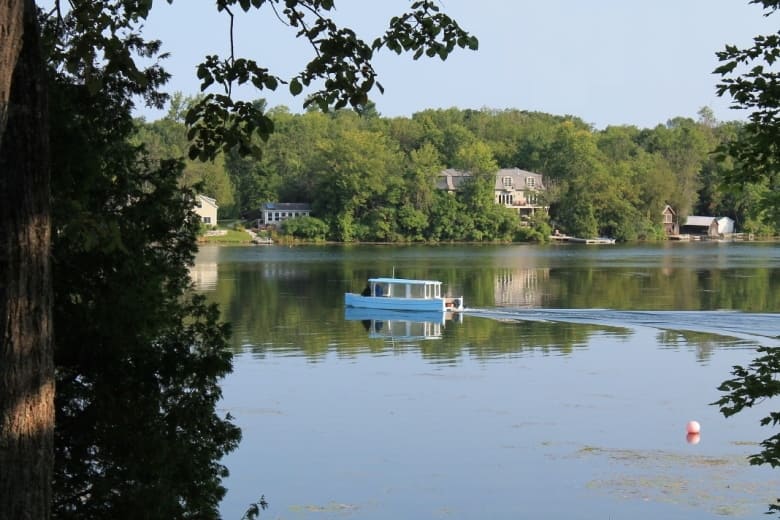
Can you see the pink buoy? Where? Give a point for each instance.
(693, 427)
(693, 438)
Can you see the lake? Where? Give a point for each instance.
(563, 391)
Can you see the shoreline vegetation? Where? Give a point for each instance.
(247, 237)
(370, 178)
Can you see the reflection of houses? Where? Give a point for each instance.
(204, 275)
(514, 188)
(274, 213)
(206, 209)
(520, 287)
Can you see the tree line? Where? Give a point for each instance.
(373, 178)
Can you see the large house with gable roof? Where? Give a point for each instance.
(514, 188)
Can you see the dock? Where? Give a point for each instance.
(577, 240)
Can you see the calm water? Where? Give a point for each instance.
(562, 392)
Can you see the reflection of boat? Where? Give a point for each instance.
(400, 325)
(403, 294)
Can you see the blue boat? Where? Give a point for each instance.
(405, 295)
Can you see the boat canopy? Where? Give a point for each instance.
(403, 281)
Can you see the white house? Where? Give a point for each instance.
(725, 226)
(274, 213)
(206, 208)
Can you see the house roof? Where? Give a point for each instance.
(451, 179)
(519, 178)
(209, 200)
(699, 221)
(286, 206)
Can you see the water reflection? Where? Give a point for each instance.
(522, 287)
(204, 276)
(399, 326)
(568, 378)
(553, 299)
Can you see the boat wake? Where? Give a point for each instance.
(759, 327)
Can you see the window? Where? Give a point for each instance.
(207, 220)
(507, 181)
(667, 218)
(530, 182)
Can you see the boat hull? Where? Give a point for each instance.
(404, 304)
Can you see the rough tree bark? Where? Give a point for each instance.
(26, 358)
(11, 30)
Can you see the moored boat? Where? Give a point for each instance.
(403, 294)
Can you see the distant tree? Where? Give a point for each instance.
(685, 145)
(307, 228)
(476, 157)
(355, 172)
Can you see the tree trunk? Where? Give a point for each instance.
(26, 357)
(11, 30)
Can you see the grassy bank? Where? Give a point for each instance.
(226, 236)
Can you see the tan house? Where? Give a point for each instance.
(206, 208)
(514, 188)
(520, 190)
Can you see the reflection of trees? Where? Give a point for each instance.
(302, 311)
(484, 339)
(752, 290)
(704, 342)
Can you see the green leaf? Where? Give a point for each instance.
(295, 87)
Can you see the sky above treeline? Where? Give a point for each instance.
(609, 62)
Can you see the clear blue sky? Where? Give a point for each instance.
(609, 62)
